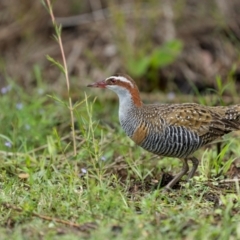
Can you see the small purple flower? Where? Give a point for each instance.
(103, 158)
(8, 144)
(19, 106)
(6, 89)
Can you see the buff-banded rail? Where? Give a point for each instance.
(172, 130)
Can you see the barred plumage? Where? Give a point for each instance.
(176, 130)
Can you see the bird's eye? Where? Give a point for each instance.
(112, 80)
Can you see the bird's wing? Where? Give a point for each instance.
(201, 119)
(208, 123)
(196, 118)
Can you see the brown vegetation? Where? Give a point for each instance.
(97, 35)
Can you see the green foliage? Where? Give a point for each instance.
(137, 65)
(26, 118)
(229, 88)
(56, 63)
(213, 165)
(166, 54)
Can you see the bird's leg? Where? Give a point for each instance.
(184, 170)
(195, 163)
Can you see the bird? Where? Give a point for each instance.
(169, 130)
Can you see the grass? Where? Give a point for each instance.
(110, 189)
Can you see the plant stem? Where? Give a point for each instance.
(70, 106)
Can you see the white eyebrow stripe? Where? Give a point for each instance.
(123, 79)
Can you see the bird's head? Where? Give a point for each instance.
(122, 85)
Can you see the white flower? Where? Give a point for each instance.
(84, 170)
(8, 144)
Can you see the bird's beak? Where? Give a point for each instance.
(99, 84)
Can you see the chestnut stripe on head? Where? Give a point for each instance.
(121, 79)
(129, 84)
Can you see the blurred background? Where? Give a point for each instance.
(168, 45)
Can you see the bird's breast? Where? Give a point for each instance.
(140, 134)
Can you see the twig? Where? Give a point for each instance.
(97, 9)
(66, 76)
(6, 153)
(82, 227)
(234, 180)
